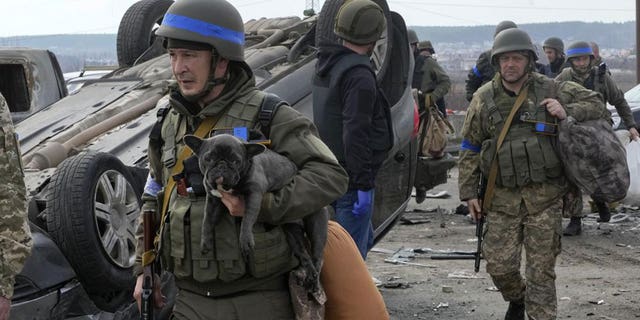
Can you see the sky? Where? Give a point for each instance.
(40, 17)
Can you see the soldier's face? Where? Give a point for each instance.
(513, 66)
(551, 54)
(581, 64)
(191, 69)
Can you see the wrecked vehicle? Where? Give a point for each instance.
(30, 79)
(85, 155)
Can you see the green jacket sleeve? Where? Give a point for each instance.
(469, 161)
(580, 103)
(435, 80)
(15, 236)
(320, 179)
(616, 98)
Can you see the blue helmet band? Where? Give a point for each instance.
(203, 28)
(586, 50)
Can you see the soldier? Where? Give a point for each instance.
(352, 113)
(512, 114)
(554, 50)
(215, 89)
(584, 72)
(597, 58)
(435, 81)
(15, 236)
(418, 59)
(484, 71)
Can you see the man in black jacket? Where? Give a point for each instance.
(352, 114)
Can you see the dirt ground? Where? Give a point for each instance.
(598, 272)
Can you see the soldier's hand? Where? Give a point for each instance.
(234, 203)
(475, 209)
(158, 299)
(554, 108)
(5, 307)
(634, 134)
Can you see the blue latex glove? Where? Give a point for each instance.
(364, 204)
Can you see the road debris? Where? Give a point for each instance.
(442, 195)
(599, 302)
(442, 305)
(447, 289)
(463, 275)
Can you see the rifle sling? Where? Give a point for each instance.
(493, 172)
(205, 127)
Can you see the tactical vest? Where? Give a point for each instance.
(527, 154)
(327, 111)
(180, 248)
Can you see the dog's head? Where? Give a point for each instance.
(223, 158)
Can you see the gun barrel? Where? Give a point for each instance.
(455, 256)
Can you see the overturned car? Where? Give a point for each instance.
(85, 155)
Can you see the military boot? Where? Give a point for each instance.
(515, 311)
(574, 227)
(603, 210)
(421, 194)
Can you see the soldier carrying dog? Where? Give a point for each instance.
(214, 88)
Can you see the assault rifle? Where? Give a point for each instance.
(482, 187)
(147, 303)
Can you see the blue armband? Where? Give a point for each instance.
(152, 187)
(467, 145)
(477, 72)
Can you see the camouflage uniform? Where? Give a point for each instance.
(523, 212)
(15, 236)
(599, 81)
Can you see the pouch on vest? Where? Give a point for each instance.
(231, 265)
(536, 160)
(204, 265)
(271, 253)
(179, 224)
(507, 174)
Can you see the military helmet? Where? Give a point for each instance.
(214, 22)
(360, 22)
(413, 37)
(512, 40)
(555, 43)
(579, 49)
(426, 45)
(504, 25)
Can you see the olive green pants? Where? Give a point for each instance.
(539, 232)
(252, 305)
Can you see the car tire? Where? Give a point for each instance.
(326, 21)
(136, 41)
(92, 212)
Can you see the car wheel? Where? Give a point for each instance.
(92, 216)
(136, 41)
(324, 32)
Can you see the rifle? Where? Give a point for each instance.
(147, 303)
(477, 256)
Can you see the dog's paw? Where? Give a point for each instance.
(246, 244)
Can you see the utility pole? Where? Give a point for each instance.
(312, 7)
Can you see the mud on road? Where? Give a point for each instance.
(598, 272)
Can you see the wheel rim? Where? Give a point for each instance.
(116, 213)
(154, 28)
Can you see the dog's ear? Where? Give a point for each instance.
(193, 142)
(254, 149)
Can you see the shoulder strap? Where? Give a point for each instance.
(268, 109)
(493, 172)
(205, 127)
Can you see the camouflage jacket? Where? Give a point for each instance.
(15, 237)
(578, 102)
(435, 80)
(481, 73)
(600, 81)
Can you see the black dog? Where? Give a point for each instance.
(230, 165)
